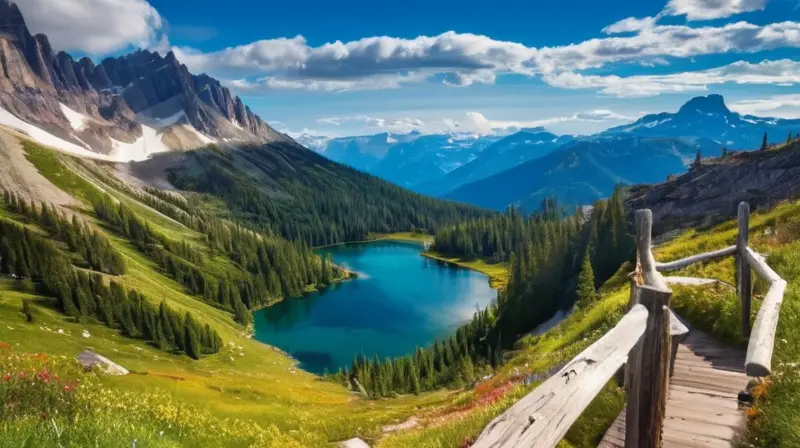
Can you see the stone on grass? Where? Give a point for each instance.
(90, 359)
(353, 443)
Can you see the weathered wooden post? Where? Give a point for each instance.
(648, 370)
(743, 271)
(647, 399)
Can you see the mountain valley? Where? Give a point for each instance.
(176, 271)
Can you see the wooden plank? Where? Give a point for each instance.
(676, 327)
(699, 258)
(652, 378)
(759, 264)
(743, 274)
(701, 392)
(542, 418)
(702, 407)
(762, 341)
(688, 412)
(695, 281)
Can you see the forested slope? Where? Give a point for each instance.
(289, 190)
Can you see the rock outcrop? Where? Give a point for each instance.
(711, 192)
(90, 360)
(34, 80)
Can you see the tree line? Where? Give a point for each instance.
(310, 199)
(272, 267)
(554, 263)
(94, 248)
(24, 254)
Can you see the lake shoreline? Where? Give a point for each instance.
(409, 237)
(424, 304)
(497, 273)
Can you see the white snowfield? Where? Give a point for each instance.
(76, 119)
(46, 138)
(202, 137)
(148, 144)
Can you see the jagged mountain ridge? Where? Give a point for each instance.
(115, 96)
(709, 117)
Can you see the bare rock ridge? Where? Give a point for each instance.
(711, 192)
(116, 95)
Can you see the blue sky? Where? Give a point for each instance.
(357, 67)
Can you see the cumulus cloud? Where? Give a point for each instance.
(631, 24)
(787, 106)
(476, 122)
(369, 63)
(468, 123)
(461, 59)
(403, 124)
(780, 72)
(94, 26)
(712, 9)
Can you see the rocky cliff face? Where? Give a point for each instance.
(711, 192)
(116, 95)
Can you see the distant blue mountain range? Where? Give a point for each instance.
(527, 166)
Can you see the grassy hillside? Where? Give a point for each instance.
(247, 393)
(250, 394)
(774, 420)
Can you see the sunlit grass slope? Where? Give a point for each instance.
(774, 420)
(247, 385)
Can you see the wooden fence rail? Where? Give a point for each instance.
(645, 342)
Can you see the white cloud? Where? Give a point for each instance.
(403, 124)
(459, 59)
(780, 72)
(478, 123)
(712, 9)
(631, 24)
(786, 106)
(470, 122)
(94, 26)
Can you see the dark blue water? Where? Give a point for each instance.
(400, 301)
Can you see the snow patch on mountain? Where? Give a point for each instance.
(148, 144)
(76, 119)
(202, 137)
(44, 137)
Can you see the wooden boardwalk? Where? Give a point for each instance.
(702, 406)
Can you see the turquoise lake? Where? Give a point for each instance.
(400, 301)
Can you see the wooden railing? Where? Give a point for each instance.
(645, 341)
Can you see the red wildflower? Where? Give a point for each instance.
(4, 345)
(43, 375)
(7, 377)
(22, 374)
(67, 388)
(41, 356)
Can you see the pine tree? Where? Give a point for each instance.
(27, 310)
(586, 292)
(764, 143)
(192, 338)
(789, 139)
(242, 314)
